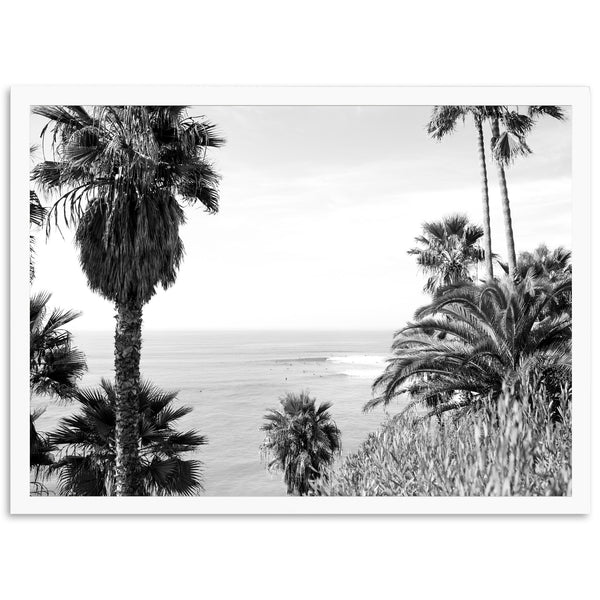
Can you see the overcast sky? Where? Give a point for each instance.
(318, 208)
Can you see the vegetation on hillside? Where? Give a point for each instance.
(491, 358)
(506, 446)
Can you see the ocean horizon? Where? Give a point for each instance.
(231, 377)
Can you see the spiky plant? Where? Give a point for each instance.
(447, 250)
(86, 464)
(123, 175)
(301, 440)
(471, 340)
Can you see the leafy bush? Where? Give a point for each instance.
(507, 447)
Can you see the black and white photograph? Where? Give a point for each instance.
(301, 301)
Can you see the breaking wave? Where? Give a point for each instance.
(364, 366)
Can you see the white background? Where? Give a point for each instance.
(321, 43)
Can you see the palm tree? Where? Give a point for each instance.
(37, 214)
(553, 265)
(447, 250)
(55, 364)
(41, 455)
(87, 464)
(301, 439)
(547, 267)
(125, 173)
(443, 122)
(472, 340)
(508, 145)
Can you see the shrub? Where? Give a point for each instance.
(507, 447)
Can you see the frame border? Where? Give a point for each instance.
(22, 97)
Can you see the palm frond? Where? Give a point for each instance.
(55, 364)
(556, 112)
(301, 440)
(87, 444)
(447, 250)
(508, 147)
(122, 174)
(473, 338)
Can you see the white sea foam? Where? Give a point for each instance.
(364, 366)
(360, 359)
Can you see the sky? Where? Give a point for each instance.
(318, 207)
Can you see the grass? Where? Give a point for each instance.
(509, 447)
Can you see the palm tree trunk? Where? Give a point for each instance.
(485, 199)
(508, 230)
(128, 342)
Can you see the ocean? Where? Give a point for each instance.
(231, 378)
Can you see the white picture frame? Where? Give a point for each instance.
(23, 97)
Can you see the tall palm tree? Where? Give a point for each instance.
(447, 250)
(86, 466)
(474, 339)
(443, 122)
(300, 439)
(124, 174)
(507, 145)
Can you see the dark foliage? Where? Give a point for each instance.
(86, 466)
(122, 174)
(301, 440)
(447, 250)
(473, 339)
